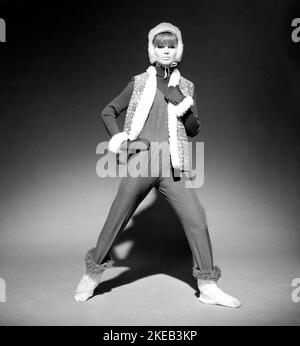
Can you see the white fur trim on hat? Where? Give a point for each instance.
(164, 27)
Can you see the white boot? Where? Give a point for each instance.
(85, 288)
(210, 293)
(91, 278)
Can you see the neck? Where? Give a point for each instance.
(165, 70)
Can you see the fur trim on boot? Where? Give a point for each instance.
(207, 274)
(93, 268)
(91, 278)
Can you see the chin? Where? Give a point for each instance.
(166, 63)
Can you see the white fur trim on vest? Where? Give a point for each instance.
(115, 142)
(172, 127)
(173, 113)
(174, 78)
(144, 105)
(140, 115)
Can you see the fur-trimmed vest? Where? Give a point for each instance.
(138, 110)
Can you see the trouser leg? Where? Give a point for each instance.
(131, 192)
(193, 219)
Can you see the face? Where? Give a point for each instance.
(165, 53)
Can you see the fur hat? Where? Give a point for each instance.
(164, 27)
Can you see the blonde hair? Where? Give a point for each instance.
(165, 38)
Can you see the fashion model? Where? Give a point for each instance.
(161, 108)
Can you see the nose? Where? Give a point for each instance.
(166, 50)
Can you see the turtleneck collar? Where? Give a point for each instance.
(165, 71)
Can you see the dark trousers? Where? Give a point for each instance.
(132, 191)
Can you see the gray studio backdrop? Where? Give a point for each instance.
(64, 63)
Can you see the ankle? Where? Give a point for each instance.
(205, 283)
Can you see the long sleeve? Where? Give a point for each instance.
(111, 112)
(191, 120)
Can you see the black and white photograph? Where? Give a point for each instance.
(150, 163)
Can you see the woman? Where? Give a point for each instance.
(161, 108)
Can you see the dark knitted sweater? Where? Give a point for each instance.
(155, 127)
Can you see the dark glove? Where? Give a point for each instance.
(174, 95)
(129, 148)
(136, 145)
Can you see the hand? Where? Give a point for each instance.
(124, 145)
(174, 95)
(135, 145)
(139, 144)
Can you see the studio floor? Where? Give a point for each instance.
(39, 291)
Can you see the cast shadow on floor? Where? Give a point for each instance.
(159, 247)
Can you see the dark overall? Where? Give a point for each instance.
(133, 190)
